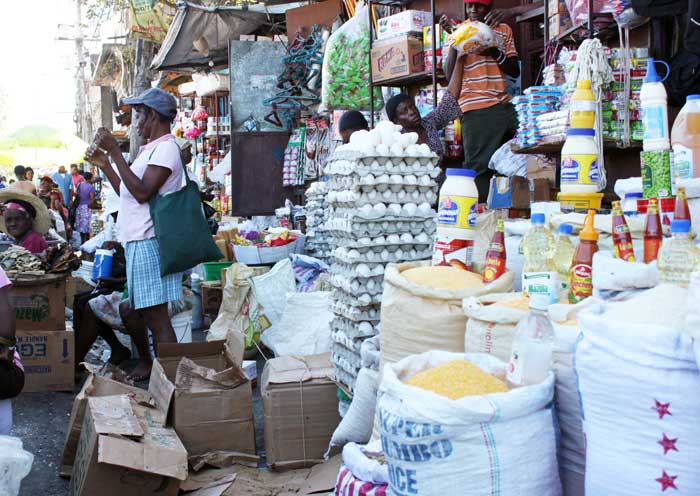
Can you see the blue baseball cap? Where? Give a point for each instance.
(159, 100)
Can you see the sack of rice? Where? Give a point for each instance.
(492, 322)
(422, 308)
(639, 382)
(491, 441)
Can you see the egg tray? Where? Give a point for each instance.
(371, 288)
(354, 330)
(363, 270)
(416, 167)
(344, 228)
(406, 241)
(345, 360)
(356, 314)
(351, 344)
(380, 182)
(376, 213)
(345, 379)
(357, 300)
(344, 255)
(351, 199)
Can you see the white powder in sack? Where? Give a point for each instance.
(666, 304)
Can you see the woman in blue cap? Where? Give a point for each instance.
(157, 169)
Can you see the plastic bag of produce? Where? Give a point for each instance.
(639, 382)
(471, 37)
(501, 443)
(15, 464)
(346, 67)
(419, 317)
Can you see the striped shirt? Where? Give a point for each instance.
(483, 82)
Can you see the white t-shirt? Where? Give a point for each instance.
(134, 221)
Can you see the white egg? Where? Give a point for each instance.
(367, 150)
(359, 138)
(424, 181)
(394, 209)
(363, 270)
(409, 209)
(386, 195)
(365, 211)
(365, 328)
(422, 238)
(382, 150)
(396, 150)
(374, 138)
(379, 240)
(424, 150)
(353, 254)
(415, 195)
(395, 179)
(354, 286)
(379, 209)
(393, 239)
(424, 209)
(405, 140)
(384, 255)
(410, 179)
(365, 241)
(385, 225)
(407, 238)
(372, 195)
(370, 285)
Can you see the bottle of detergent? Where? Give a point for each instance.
(582, 114)
(685, 139)
(654, 110)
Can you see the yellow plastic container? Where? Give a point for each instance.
(580, 201)
(582, 115)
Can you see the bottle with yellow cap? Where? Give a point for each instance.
(581, 274)
(582, 113)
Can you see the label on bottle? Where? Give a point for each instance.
(457, 211)
(581, 285)
(454, 252)
(622, 241)
(495, 264)
(654, 119)
(581, 169)
(651, 249)
(546, 283)
(681, 164)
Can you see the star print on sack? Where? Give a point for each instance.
(667, 481)
(661, 408)
(668, 444)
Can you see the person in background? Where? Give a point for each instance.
(3, 182)
(83, 216)
(11, 370)
(157, 169)
(25, 218)
(76, 177)
(22, 184)
(29, 174)
(488, 117)
(53, 199)
(401, 109)
(351, 121)
(64, 182)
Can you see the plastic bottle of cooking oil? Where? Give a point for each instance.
(539, 273)
(685, 139)
(563, 254)
(678, 258)
(533, 343)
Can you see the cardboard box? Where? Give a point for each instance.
(398, 57)
(123, 451)
(40, 305)
(95, 386)
(541, 169)
(300, 407)
(408, 21)
(212, 296)
(555, 7)
(558, 23)
(208, 397)
(48, 359)
(509, 192)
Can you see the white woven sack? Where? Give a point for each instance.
(639, 386)
(356, 425)
(501, 443)
(490, 328)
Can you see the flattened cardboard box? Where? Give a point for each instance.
(48, 360)
(397, 57)
(39, 305)
(300, 406)
(208, 418)
(123, 452)
(95, 386)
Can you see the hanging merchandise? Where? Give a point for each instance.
(622, 239)
(655, 109)
(496, 255)
(652, 232)
(456, 219)
(294, 159)
(685, 139)
(581, 281)
(579, 162)
(346, 82)
(539, 273)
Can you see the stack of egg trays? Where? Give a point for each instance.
(317, 238)
(380, 211)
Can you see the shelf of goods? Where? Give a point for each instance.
(379, 212)
(553, 148)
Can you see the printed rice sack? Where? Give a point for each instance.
(501, 443)
(639, 382)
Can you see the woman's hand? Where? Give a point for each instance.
(445, 24)
(96, 156)
(106, 140)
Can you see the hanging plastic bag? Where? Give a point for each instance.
(346, 67)
(471, 37)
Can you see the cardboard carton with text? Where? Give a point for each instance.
(48, 359)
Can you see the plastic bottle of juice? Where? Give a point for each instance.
(582, 114)
(539, 274)
(685, 141)
(496, 254)
(563, 255)
(678, 258)
(533, 343)
(581, 281)
(652, 232)
(622, 239)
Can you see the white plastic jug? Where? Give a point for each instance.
(655, 109)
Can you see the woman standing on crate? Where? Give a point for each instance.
(157, 170)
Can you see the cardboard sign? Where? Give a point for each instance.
(397, 57)
(48, 360)
(39, 305)
(300, 404)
